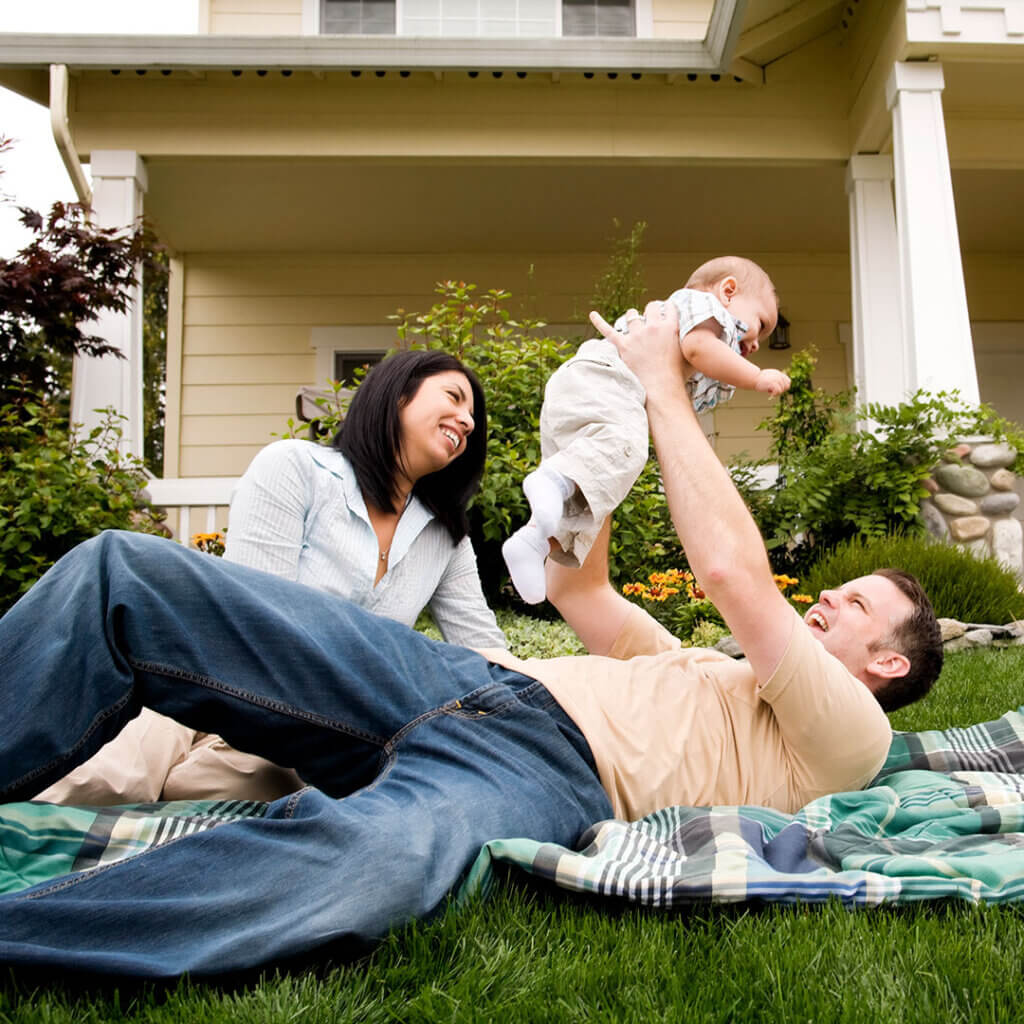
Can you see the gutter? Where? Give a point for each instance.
(62, 133)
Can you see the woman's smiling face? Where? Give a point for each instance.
(435, 424)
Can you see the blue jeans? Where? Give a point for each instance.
(420, 752)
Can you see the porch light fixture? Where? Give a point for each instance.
(779, 338)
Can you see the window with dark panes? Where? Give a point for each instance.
(598, 18)
(346, 363)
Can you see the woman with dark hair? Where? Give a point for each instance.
(378, 517)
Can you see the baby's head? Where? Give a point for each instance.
(745, 290)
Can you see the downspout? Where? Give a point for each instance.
(62, 133)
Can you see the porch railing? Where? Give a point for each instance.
(194, 504)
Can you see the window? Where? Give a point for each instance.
(358, 17)
(598, 18)
(475, 18)
(346, 364)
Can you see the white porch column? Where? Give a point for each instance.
(119, 183)
(935, 322)
(880, 365)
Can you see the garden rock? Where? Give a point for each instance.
(1008, 544)
(993, 456)
(954, 505)
(1000, 504)
(963, 480)
(969, 528)
(727, 645)
(934, 521)
(1003, 480)
(951, 629)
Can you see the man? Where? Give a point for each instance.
(420, 752)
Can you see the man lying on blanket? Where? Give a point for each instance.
(416, 752)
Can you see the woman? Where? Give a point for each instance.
(379, 517)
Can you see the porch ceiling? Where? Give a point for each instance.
(349, 206)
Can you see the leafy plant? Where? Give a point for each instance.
(835, 481)
(51, 293)
(621, 284)
(960, 585)
(57, 489)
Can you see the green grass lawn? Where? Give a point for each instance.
(534, 953)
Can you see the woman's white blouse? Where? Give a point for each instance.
(298, 513)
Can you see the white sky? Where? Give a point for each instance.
(33, 172)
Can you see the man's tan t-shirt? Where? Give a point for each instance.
(672, 725)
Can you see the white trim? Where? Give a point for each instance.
(643, 18)
(195, 490)
(326, 53)
(350, 338)
(311, 17)
(978, 21)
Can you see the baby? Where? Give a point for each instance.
(593, 427)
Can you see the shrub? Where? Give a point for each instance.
(57, 489)
(960, 585)
(837, 482)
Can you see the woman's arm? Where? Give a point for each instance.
(268, 511)
(458, 605)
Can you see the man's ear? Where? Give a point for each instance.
(888, 664)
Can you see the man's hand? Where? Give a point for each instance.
(651, 347)
(772, 382)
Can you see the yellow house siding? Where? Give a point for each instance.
(680, 19)
(248, 319)
(255, 17)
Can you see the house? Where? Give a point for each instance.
(315, 165)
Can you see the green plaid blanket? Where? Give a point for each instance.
(42, 841)
(944, 817)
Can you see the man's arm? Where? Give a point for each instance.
(586, 599)
(721, 539)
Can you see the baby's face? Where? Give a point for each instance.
(759, 310)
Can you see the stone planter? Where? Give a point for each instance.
(973, 500)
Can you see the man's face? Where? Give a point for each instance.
(853, 622)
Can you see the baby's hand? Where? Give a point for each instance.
(772, 382)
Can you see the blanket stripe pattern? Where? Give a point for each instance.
(39, 841)
(943, 818)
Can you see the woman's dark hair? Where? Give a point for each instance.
(371, 435)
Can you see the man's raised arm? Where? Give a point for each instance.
(720, 538)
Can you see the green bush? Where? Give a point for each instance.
(960, 585)
(837, 482)
(57, 489)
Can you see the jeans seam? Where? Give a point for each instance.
(96, 723)
(271, 705)
(84, 874)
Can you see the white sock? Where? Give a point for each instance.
(547, 491)
(525, 553)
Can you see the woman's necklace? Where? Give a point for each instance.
(384, 554)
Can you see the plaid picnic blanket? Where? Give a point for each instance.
(42, 841)
(943, 818)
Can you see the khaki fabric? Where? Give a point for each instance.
(672, 725)
(156, 758)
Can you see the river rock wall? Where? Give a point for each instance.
(973, 500)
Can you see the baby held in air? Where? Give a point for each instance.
(593, 424)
